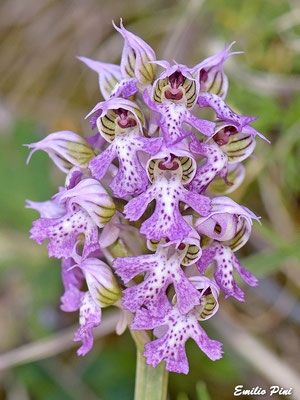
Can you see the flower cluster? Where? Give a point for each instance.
(158, 173)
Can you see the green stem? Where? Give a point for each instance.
(150, 383)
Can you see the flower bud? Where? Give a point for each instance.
(136, 56)
(228, 223)
(65, 148)
(101, 282)
(93, 198)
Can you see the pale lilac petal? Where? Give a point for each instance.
(91, 196)
(126, 88)
(109, 75)
(226, 262)
(215, 162)
(72, 280)
(221, 227)
(211, 75)
(160, 270)
(100, 164)
(63, 233)
(90, 317)
(100, 280)
(110, 232)
(171, 346)
(223, 112)
(47, 209)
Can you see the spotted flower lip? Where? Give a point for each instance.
(172, 118)
(87, 207)
(65, 148)
(166, 221)
(90, 317)
(216, 164)
(47, 209)
(170, 347)
(226, 263)
(161, 270)
(131, 177)
(136, 56)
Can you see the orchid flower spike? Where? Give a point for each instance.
(141, 221)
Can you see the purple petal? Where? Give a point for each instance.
(223, 112)
(211, 75)
(160, 271)
(47, 209)
(100, 164)
(202, 125)
(90, 317)
(109, 75)
(171, 346)
(126, 88)
(72, 280)
(63, 233)
(225, 264)
(215, 162)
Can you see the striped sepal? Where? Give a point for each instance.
(191, 255)
(239, 147)
(190, 88)
(241, 237)
(160, 85)
(188, 169)
(214, 81)
(107, 125)
(208, 307)
(235, 175)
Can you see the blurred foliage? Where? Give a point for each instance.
(45, 89)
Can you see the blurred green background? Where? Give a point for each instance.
(45, 89)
